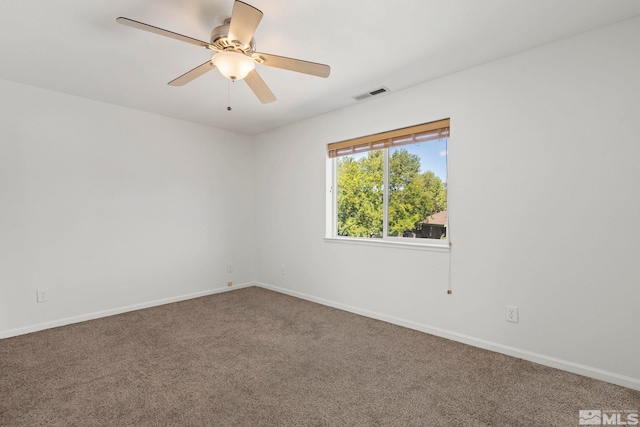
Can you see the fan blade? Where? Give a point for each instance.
(244, 21)
(146, 27)
(259, 87)
(291, 64)
(192, 75)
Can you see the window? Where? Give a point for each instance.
(392, 185)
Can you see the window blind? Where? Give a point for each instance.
(395, 138)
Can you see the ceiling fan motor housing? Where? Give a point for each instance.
(219, 38)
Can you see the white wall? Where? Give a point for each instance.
(111, 208)
(544, 173)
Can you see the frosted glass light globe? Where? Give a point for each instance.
(233, 65)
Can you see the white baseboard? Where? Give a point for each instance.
(587, 371)
(564, 365)
(105, 313)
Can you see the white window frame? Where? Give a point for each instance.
(386, 240)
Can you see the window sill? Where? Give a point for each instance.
(422, 246)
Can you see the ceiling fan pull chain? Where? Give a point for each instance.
(230, 82)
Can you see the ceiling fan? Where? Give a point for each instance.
(235, 55)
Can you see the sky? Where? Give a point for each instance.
(433, 156)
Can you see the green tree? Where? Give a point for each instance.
(413, 196)
(406, 196)
(359, 195)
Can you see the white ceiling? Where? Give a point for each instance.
(76, 47)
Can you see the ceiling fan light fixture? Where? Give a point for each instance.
(233, 65)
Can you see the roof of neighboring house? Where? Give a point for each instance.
(439, 218)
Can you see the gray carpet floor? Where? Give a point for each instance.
(253, 357)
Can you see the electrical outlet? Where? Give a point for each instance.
(282, 269)
(229, 268)
(229, 283)
(512, 314)
(42, 294)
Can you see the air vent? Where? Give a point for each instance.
(369, 94)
